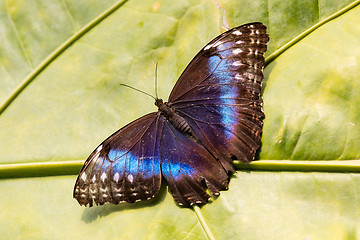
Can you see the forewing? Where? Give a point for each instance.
(124, 168)
(188, 167)
(219, 93)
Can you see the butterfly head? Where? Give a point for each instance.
(159, 102)
(164, 108)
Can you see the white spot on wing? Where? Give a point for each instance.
(207, 47)
(116, 177)
(237, 51)
(96, 156)
(237, 32)
(103, 177)
(237, 63)
(238, 76)
(83, 176)
(99, 148)
(240, 42)
(130, 178)
(217, 44)
(93, 179)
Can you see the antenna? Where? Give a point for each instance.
(156, 94)
(122, 84)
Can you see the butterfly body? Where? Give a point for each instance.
(169, 113)
(213, 115)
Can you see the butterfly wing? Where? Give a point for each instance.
(124, 168)
(218, 94)
(185, 164)
(219, 97)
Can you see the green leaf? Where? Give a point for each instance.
(61, 64)
(317, 117)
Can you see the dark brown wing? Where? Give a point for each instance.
(185, 164)
(218, 94)
(124, 168)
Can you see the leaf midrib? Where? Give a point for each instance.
(72, 167)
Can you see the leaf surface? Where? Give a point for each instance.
(61, 64)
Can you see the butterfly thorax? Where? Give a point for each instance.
(175, 119)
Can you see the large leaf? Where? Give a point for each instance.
(61, 65)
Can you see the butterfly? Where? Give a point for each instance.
(213, 116)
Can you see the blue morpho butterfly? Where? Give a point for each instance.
(213, 116)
